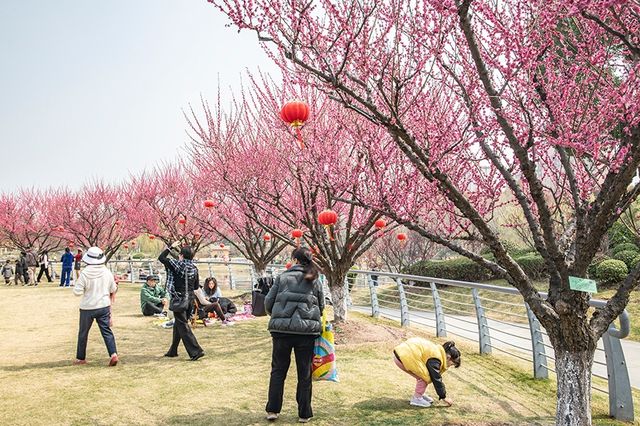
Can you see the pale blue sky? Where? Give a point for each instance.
(95, 89)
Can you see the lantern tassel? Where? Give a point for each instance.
(329, 233)
(299, 135)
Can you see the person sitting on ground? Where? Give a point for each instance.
(7, 272)
(98, 287)
(212, 295)
(153, 299)
(426, 361)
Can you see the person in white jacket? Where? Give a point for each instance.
(97, 287)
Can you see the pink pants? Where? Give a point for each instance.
(421, 385)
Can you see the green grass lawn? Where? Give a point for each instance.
(229, 385)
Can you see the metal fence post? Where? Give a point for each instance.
(375, 307)
(209, 266)
(540, 370)
(404, 306)
(484, 338)
(620, 397)
(132, 277)
(441, 326)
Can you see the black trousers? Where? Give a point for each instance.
(182, 331)
(45, 271)
(280, 360)
(152, 308)
(214, 307)
(102, 317)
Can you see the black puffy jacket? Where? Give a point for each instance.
(295, 304)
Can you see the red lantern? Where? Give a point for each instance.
(380, 223)
(401, 237)
(288, 265)
(267, 237)
(118, 223)
(182, 221)
(328, 218)
(297, 234)
(197, 235)
(222, 246)
(209, 203)
(152, 237)
(295, 113)
(126, 246)
(60, 229)
(133, 243)
(70, 244)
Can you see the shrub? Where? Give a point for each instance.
(627, 256)
(634, 262)
(625, 247)
(533, 265)
(138, 256)
(591, 270)
(611, 271)
(459, 268)
(619, 233)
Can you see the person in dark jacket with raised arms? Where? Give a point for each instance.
(295, 303)
(182, 277)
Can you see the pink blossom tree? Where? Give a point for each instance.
(166, 203)
(255, 160)
(484, 99)
(25, 221)
(96, 215)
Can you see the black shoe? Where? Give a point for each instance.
(170, 355)
(197, 357)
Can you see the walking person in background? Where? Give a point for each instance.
(7, 272)
(44, 267)
(77, 265)
(426, 362)
(295, 303)
(32, 264)
(18, 276)
(67, 266)
(97, 287)
(24, 269)
(182, 280)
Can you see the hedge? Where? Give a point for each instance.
(611, 271)
(463, 269)
(627, 256)
(625, 247)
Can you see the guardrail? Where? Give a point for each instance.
(494, 316)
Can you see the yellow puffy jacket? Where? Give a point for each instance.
(414, 354)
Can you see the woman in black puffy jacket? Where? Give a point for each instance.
(295, 303)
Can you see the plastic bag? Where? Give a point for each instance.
(324, 354)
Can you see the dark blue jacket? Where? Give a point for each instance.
(67, 261)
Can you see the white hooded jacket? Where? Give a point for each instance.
(95, 284)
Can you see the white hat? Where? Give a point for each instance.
(94, 256)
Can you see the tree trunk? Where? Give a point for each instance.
(339, 299)
(573, 371)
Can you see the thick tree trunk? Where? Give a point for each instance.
(573, 371)
(339, 299)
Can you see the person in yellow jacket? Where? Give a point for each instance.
(426, 361)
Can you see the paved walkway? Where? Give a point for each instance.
(512, 338)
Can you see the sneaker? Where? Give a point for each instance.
(168, 324)
(427, 398)
(197, 356)
(303, 420)
(272, 416)
(113, 361)
(162, 315)
(80, 362)
(227, 322)
(419, 402)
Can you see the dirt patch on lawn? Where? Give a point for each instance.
(357, 330)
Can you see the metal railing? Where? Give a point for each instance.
(497, 318)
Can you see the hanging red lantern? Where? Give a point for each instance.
(152, 237)
(295, 113)
(182, 221)
(118, 223)
(328, 218)
(297, 234)
(266, 237)
(133, 243)
(288, 265)
(402, 237)
(221, 246)
(380, 223)
(126, 246)
(209, 204)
